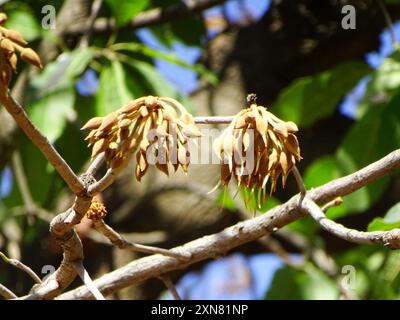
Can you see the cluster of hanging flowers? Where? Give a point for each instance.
(159, 127)
(257, 147)
(11, 43)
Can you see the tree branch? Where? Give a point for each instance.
(85, 277)
(18, 264)
(150, 17)
(218, 244)
(389, 239)
(170, 286)
(6, 293)
(43, 144)
(117, 240)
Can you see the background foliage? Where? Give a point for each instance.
(83, 82)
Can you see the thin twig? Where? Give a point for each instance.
(85, 277)
(170, 286)
(103, 183)
(96, 164)
(43, 144)
(299, 181)
(334, 203)
(151, 17)
(96, 5)
(388, 21)
(389, 239)
(117, 240)
(6, 293)
(22, 182)
(18, 264)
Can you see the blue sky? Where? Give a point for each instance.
(235, 277)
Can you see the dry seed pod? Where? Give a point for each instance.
(30, 56)
(7, 45)
(256, 135)
(148, 122)
(11, 43)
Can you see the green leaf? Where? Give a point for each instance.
(390, 221)
(226, 201)
(124, 11)
(387, 76)
(72, 147)
(116, 88)
(382, 85)
(189, 30)
(312, 98)
(153, 80)
(373, 136)
(291, 284)
(62, 72)
(25, 22)
(200, 69)
(320, 172)
(50, 112)
(38, 173)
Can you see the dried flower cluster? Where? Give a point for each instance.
(11, 43)
(96, 211)
(148, 125)
(257, 147)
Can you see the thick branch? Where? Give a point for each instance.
(218, 244)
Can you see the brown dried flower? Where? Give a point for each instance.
(257, 147)
(11, 43)
(96, 211)
(149, 126)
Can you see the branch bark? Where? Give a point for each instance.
(218, 244)
(389, 239)
(43, 144)
(150, 17)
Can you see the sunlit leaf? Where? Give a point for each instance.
(312, 98)
(390, 221)
(124, 11)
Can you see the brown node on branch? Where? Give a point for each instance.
(154, 127)
(96, 211)
(255, 148)
(11, 43)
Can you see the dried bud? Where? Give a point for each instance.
(3, 18)
(6, 45)
(93, 123)
(30, 56)
(15, 36)
(256, 135)
(96, 211)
